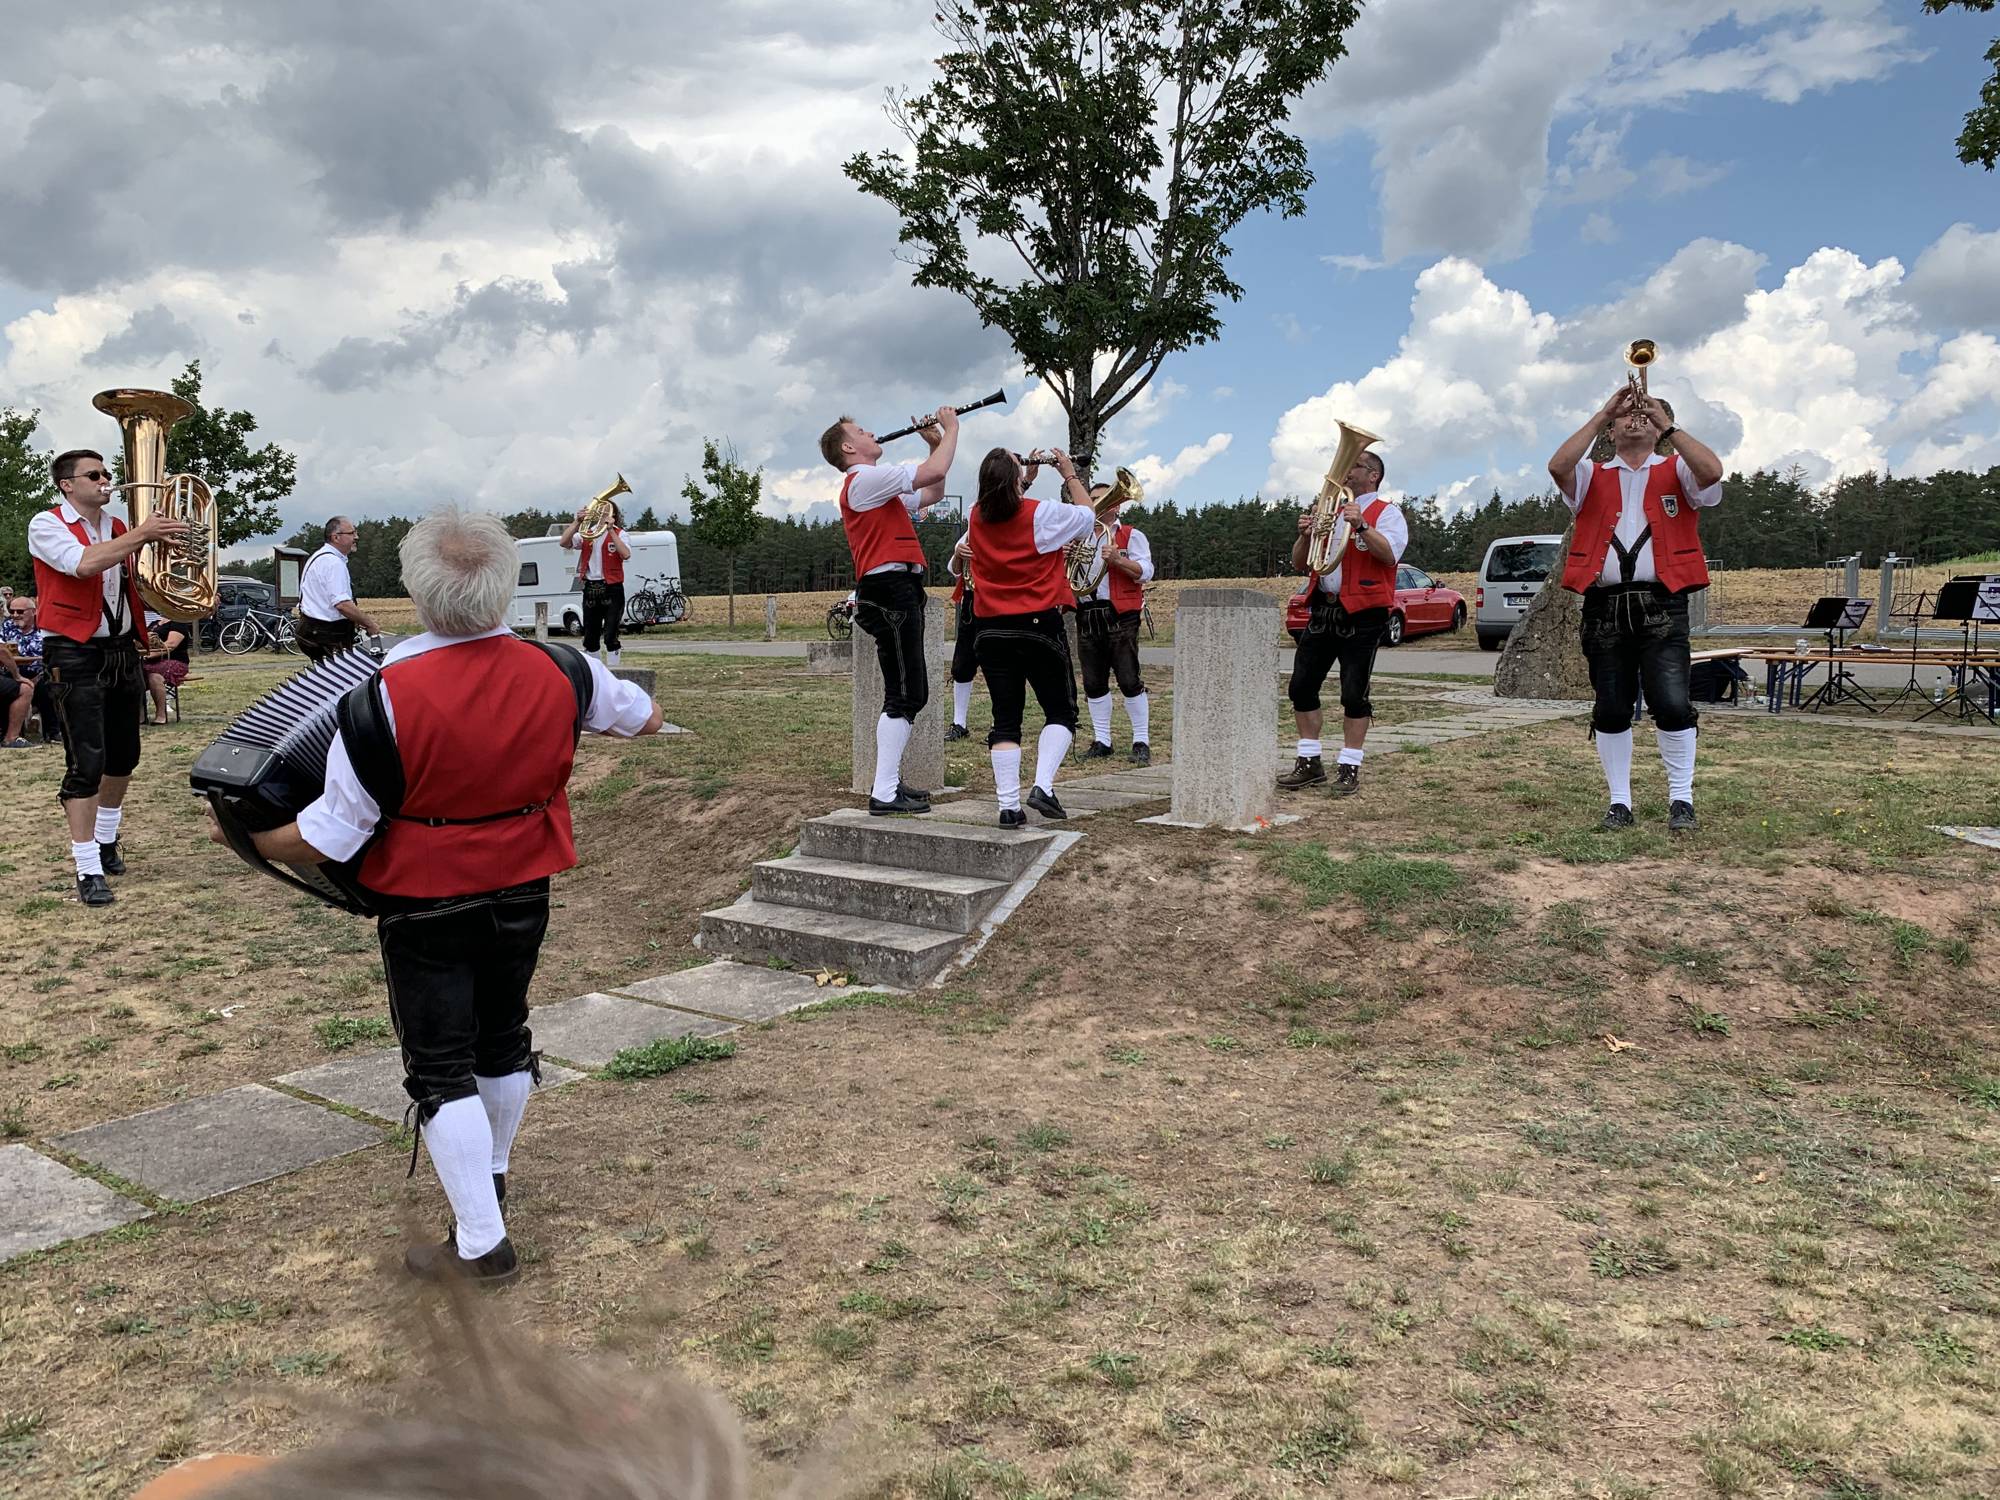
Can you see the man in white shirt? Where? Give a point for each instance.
(1635, 555)
(1107, 633)
(328, 615)
(878, 506)
(93, 623)
(1350, 614)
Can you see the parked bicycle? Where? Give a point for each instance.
(259, 629)
(656, 601)
(840, 620)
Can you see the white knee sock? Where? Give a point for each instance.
(506, 1099)
(1100, 718)
(1049, 753)
(1007, 776)
(1309, 749)
(611, 658)
(1140, 711)
(89, 858)
(1350, 755)
(1677, 755)
(961, 701)
(1614, 753)
(891, 735)
(461, 1146)
(108, 821)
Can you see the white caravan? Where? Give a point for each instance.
(548, 575)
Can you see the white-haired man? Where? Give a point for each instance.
(463, 864)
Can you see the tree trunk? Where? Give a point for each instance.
(1544, 659)
(732, 591)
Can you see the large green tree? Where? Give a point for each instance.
(24, 489)
(1979, 142)
(1112, 146)
(724, 514)
(214, 445)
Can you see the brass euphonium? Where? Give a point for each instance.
(596, 518)
(1083, 559)
(1330, 529)
(176, 578)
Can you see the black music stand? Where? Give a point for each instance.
(1835, 615)
(1916, 614)
(1964, 602)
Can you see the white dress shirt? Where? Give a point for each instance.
(870, 485)
(324, 585)
(55, 544)
(1632, 511)
(344, 816)
(1395, 530)
(1138, 549)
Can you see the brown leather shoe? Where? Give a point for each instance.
(1346, 781)
(496, 1267)
(1308, 772)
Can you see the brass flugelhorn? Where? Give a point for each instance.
(1330, 529)
(918, 424)
(177, 578)
(1639, 354)
(596, 517)
(1083, 559)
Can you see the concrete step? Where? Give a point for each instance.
(855, 836)
(984, 812)
(921, 898)
(875, 952)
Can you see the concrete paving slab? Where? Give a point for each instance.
(1986, 838)
(1263, 825)
(372, 1082)
(44, 1203)
(739, 992)
(204, 1147)
(1102, 799)
(985, 810)
(592, 1029)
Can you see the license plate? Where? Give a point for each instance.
(1519, 601)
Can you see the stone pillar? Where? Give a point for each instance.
(542, 621)
(923, 760)
(1885, 598)
(1850, 586)
(770, 617)
(1225, 710)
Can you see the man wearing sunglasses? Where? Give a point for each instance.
(94, 627)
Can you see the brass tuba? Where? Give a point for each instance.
(596, 518)
(1083, 559)
(176, 578)
(1329, 528)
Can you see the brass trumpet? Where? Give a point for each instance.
(1639, 354)
(1329, 527)
(596, 517)
(177, 578)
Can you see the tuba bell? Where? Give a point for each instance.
(596, 519)
(1083, 559)
(177, 578)
(1329, 528)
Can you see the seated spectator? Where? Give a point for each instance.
(17, 696)
(19, 634)
(166, 662)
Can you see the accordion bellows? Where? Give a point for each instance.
(270, 765)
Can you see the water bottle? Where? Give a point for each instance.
(1937, 689)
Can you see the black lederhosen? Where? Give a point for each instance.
(458, 970)
(99, 693)
(1107, 641)
(964, 660)
(890, 608)
(603, 613)
(319, 639)
(1333, 635)
(1017, 652)
(1636, 634)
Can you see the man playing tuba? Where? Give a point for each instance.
(1107, 623)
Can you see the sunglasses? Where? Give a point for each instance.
(91, 474)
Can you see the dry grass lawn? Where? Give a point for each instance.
(1287, 1166)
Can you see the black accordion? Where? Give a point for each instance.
(270, 765)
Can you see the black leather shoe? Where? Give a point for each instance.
(1308, 772)
(496, 1267)
(1617, 819)
(957, 732)
(92, 890)
(1097, 751)
(114, 862)
(1013, 817)
(1680, 818)
(1140, 754)
(904, 789)
(1045, 803)
(902, 803)
(1346, 781)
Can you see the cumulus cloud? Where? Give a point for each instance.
(1956, 281)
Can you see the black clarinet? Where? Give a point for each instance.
(918, 424)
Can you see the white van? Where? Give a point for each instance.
(1512, 573)
(548, 575)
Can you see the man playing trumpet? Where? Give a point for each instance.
(1635, 556)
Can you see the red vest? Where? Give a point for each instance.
(461, 759)
(1127, 594)
(958, 588)
(1366, 581)
(614, 565)
(74, 607)
(1015, 579)
(1677, 559)
(882, 535)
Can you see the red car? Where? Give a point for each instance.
(1423, 606)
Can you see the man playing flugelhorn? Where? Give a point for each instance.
(1635, 556)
